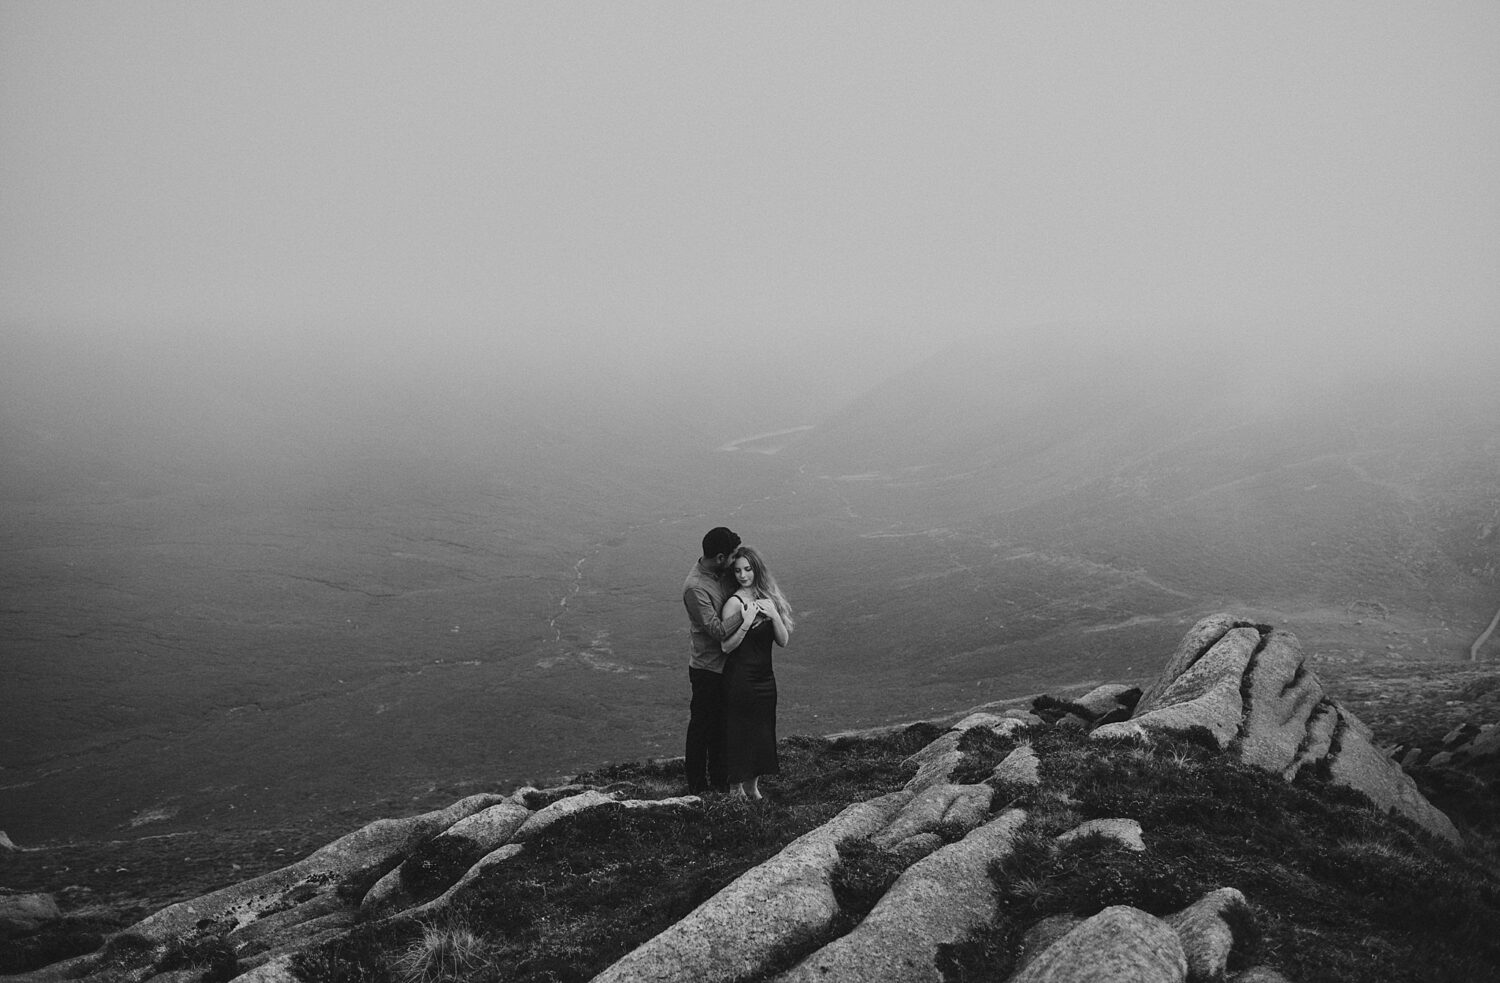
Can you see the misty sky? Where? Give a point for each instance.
(820, 190)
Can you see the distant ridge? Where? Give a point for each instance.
(1213, 468)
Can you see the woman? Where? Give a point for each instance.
(749, 683)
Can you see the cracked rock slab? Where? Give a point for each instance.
(956, 806)
(1282, 696)
(783, 902)
(935, 771)
(938, 901)
(1198, 640)
(569, 806)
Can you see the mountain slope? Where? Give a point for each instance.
(1213, 474)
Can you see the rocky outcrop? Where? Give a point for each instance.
(26, 912)
(937, 761)
(1249, 687)
(939, 901)
(434, 907)
(1125, 833)
(955, 809)
(1206, 930)
(946, 837)
(1471, 746)
(1020, 767)
(259, 924)
(475, 836)
(786, 901)
(1125, 943)
(319, 874)
(1119, 943)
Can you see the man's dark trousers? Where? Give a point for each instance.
(705, 737)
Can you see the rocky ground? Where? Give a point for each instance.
(103, 887)
(1404, 700)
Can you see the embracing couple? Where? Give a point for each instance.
(737, 614)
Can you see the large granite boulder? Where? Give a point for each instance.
(1119, 943)
(1125, 833)
(1250, 687)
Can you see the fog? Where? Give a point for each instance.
(740, 215)
(362, 367)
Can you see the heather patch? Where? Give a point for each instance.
(1323, 871)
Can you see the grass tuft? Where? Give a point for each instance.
(211, 953)
(443, 954)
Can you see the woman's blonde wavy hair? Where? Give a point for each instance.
(764, 585)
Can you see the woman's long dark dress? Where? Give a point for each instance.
(750, 705)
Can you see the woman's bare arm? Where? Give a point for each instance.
(736, 607)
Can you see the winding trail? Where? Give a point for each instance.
(572, 591)
(738, 445)
(1484, 636)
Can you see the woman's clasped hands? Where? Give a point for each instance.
(761, 607)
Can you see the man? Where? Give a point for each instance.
(703, 595)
